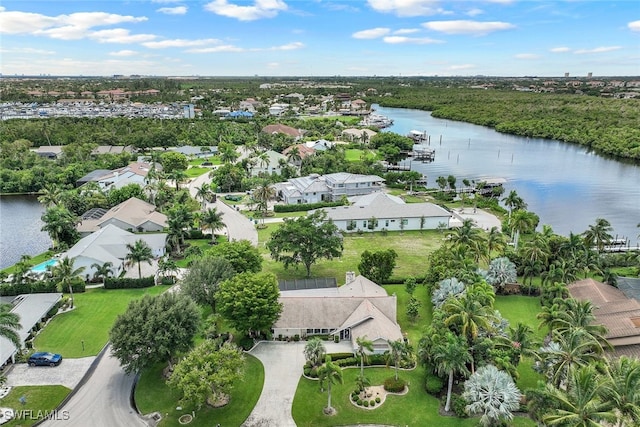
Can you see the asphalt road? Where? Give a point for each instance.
(102, 401)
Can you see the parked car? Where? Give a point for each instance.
(233, 197)
(44, 359)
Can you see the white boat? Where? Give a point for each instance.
(377, 120)
(418, 136)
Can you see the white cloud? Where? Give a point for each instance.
(407, 31)
(16, 22)
(475, 12)
(28, 50)
(178, 10)
(476, 28)
(526, 56)
(601, 49)
(560, 49)
(124, 53)
(409, 40)
(179, 43)
(120, 35)
(372, 33)
(216, 49)
(407, 7)
(260, 9)
(634, 25)
(289, 46)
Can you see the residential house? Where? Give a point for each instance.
(326, 188)
(613, 309)
(32, 309)
(196, 151)
(134, 173)
(320, 144)
(109, 244)
(381, 211)
(287, 130)
(112, 149)
(50, 152)
(358, 135)
(132, 215)
(269, 163)
(359, 308)
(303, 152)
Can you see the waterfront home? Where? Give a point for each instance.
(109, 244)
(326, 188)
(358, 135)
(134, 173)
(359, 308)
(133, 215)
(381, 211)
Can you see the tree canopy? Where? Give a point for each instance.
(377, 266)
(204, 277)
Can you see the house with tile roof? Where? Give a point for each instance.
(133, 173)
(316, 188)
(378, 211)
(613, 309)
(133, 215)
(359, 308)
(287, 130)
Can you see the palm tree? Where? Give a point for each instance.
(495, 242)
(204, 194)
(451, 357)
(60, 224)
(581, 403)
(514, 202)
(50, 195)
(65, 273)
(598, 235)
(102, 270)
(314, 351)
(212, 219)
(398, 350)
(622, 388)
(178, 176)
(363, 344)
(331, 373)
(10, 325)
(520, 222)
(537, 250)
(137, 253)
(579, 314)
(263, 194)
(468, 238)
(493, 394)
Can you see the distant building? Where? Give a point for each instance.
(326, 188)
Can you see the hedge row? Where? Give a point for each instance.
(9, 290)
(306, 206)
(128, 283)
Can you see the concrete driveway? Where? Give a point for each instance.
(283, 363)
(68, 373)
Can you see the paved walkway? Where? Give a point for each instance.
(481, 218)
(283, 363)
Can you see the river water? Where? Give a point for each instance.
(565, 184)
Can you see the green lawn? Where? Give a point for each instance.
(152, 394)
(414, 330)
(37, 400)
(355, 154)
(412, 248)
(521, 309)
(35, 260)
(90, 321)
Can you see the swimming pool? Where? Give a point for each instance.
(42, 267)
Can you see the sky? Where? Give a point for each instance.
(320, 38)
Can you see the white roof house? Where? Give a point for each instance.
(270, 166)
(359, 308)
(319, 188)
(132, 215)
(390, 213)
(31, 308)
(109, 244)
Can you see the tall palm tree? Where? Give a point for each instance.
(212, 219)
(50, 195)
(314, 351)
(514, 202)
(598, 235)
(102, 270)
(581, 403)
(65, 273)
(398, 350)
(495, 242)
(537, 250)
(332, 374)
(10, 325)
(451, 358)
(204, 194)
(137, 253)
(579, 314)
(622, 388)
(178, 176)
(520, 222)
(262, 195)
(468, 238)
(363, 344)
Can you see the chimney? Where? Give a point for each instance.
(350, 277)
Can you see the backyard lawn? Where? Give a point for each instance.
(90, 321)
(152, 394)
(38, 399)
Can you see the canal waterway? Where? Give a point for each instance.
(20, 226)
(565, 184)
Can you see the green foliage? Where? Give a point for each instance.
(459, 405)
(242, 255)
(128, 283)
(249, 301)
(393, 385)
(433, 384)
(377, 266)
(204, 277)
(172, 161)
(153, 329)
(304, 207)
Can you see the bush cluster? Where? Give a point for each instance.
(458, 404)
(394, 386)
(306, 206)
(45, 287)
(128, 283)
(433, 384)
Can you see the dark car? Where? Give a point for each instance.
(45, 359)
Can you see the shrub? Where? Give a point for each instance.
(306, 206)
(128, 283)
(338, 356)
(296, 337)
(394, 386)
(458, 404)
(246, 343)
(433, 384)
(372, 402)
(366, 403)
(314, 372)
(336, 339)
(359, 402)
(307, 371)
(378, 399)
(78, 287)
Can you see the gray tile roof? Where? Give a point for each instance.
(384, 206)
(630, 286)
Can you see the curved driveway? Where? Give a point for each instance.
(102, 401)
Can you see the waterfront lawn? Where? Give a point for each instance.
(355, 154)
(34, 260)
(38, 399)
(521, 309)
(412, 248)
(90, 321)
(152, 394)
